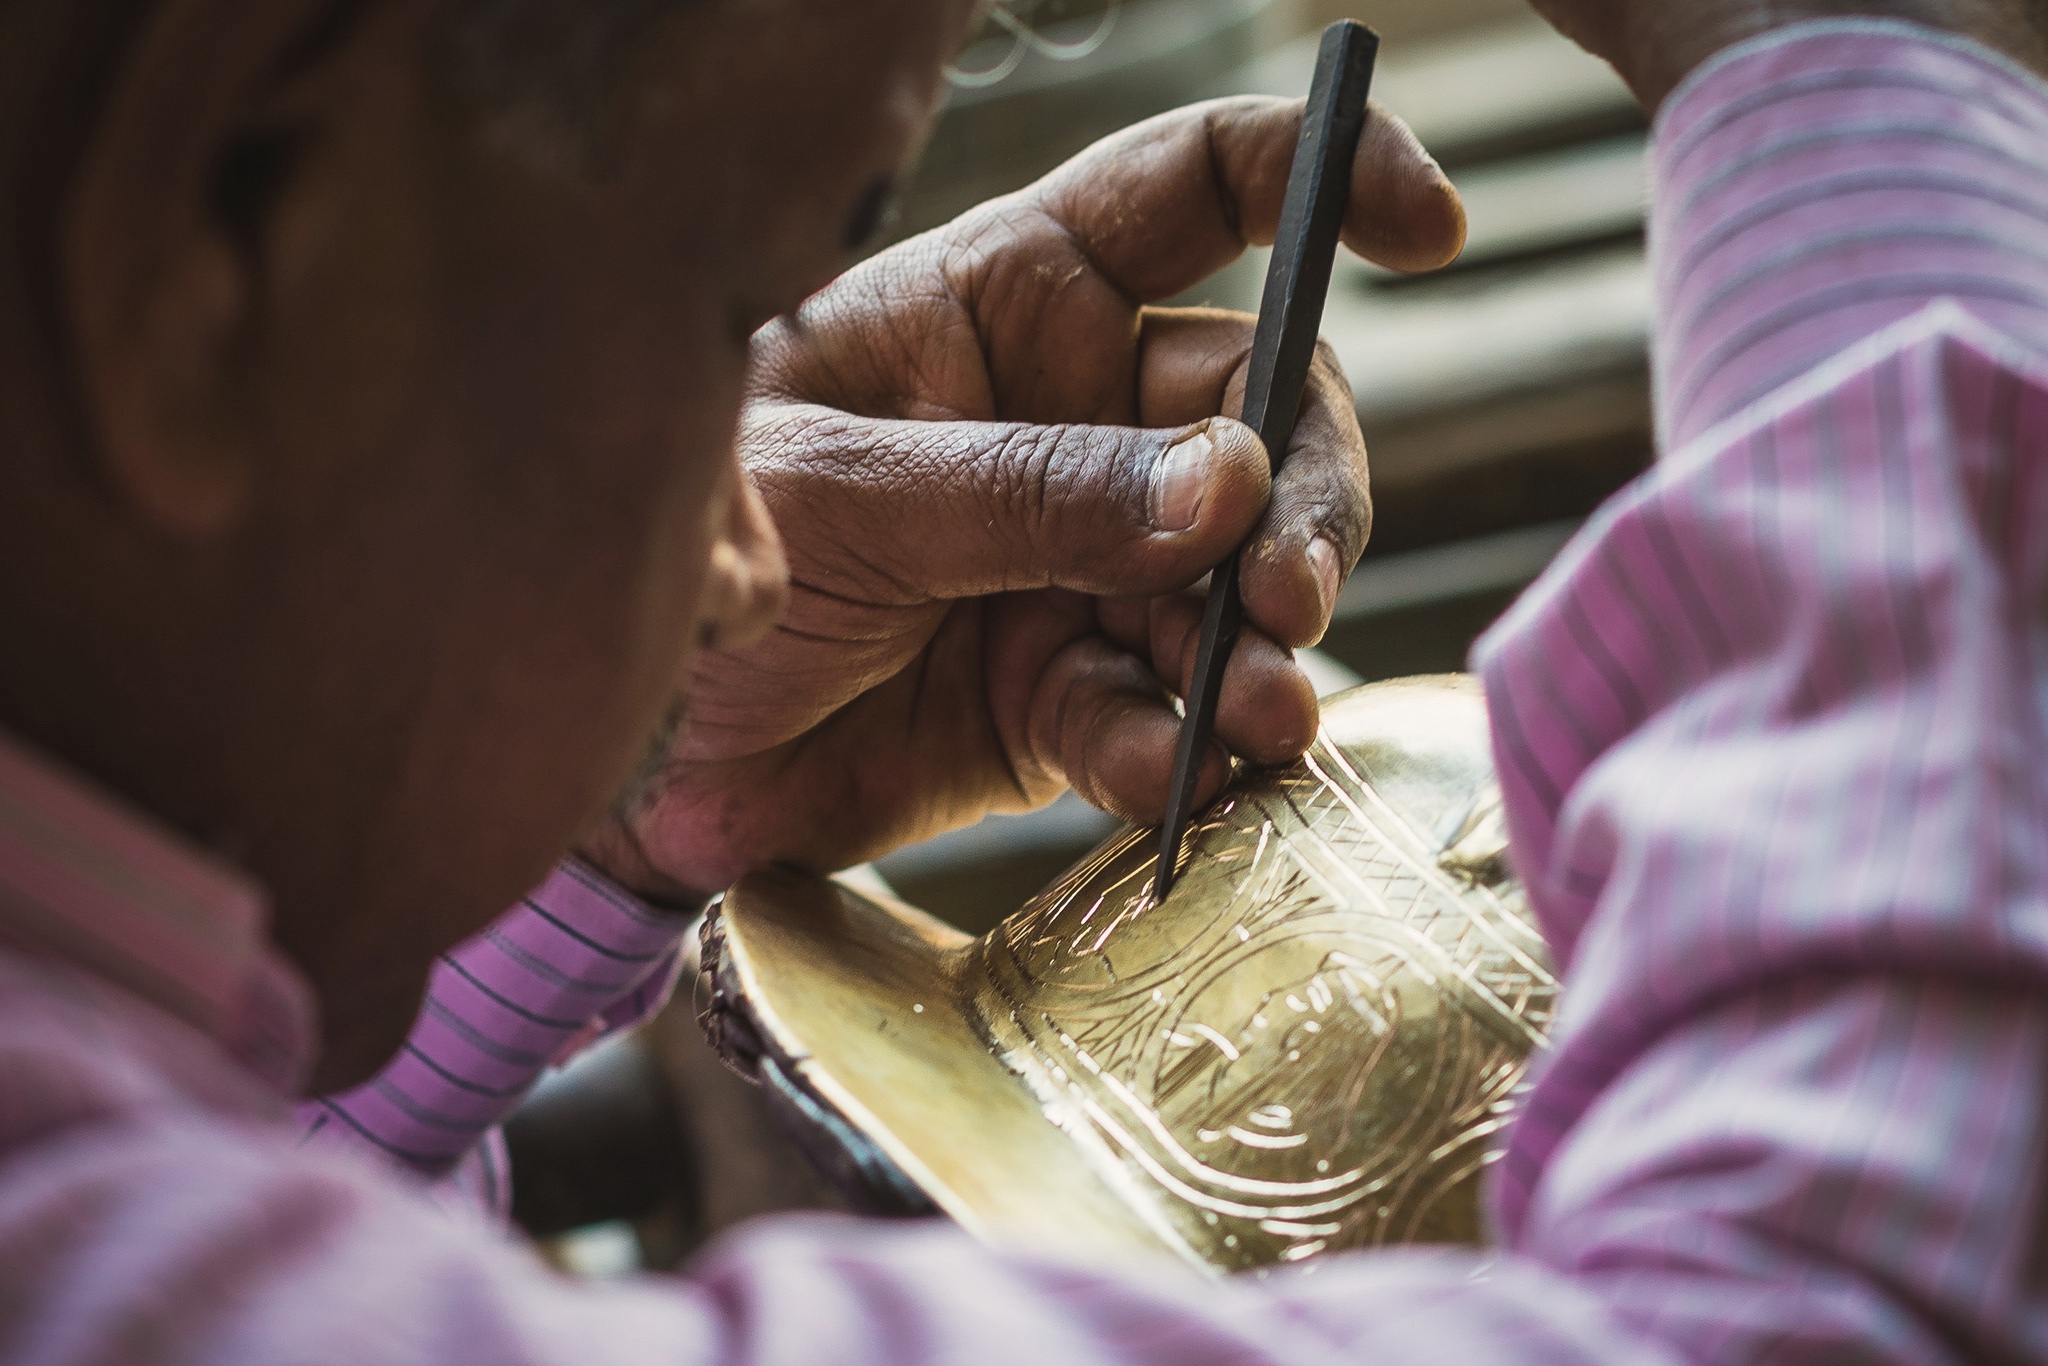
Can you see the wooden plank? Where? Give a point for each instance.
(1530, 458)
(1495, 91)
(1503, 562)
(1463, 342)
(1575, 195)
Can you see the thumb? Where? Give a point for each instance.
(942, 510)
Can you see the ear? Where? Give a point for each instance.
(162, 255)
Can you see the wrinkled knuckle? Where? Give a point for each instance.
(1027, 485)
(1348, 523)
(965, 252)
(925, 458)
(1131, 463)
(1335, 508)
(781, 443)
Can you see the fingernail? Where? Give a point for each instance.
(1181, 482)
(1329, 569)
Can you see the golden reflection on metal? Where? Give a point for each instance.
(1309, 1047)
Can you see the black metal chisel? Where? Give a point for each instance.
(1283, 348)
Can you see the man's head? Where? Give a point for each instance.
(367, 381)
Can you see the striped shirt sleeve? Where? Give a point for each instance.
(574, 961)
(1820, 185)
(1774, 736)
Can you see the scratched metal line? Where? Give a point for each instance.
(1429, 872)
(1253, 1148)
(1281, 1190)
(1143, 1114)
(1447, 899)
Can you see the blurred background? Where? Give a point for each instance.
(1502, 400)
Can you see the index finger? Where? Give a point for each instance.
(1315, 525)
(1166, 203)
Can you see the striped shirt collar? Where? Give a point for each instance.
(86, 879)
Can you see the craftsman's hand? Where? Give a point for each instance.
(1655, 43)
(999, 477)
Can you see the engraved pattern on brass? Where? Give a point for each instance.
(1308, 1048)
(1319, 1058)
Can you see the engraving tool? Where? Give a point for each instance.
(1290, 317)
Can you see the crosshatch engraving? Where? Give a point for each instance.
(1311, 1046)
(1320, 1059)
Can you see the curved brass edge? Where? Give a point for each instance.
(836, 1148)
(836, 981)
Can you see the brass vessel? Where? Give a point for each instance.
(1307, 1048)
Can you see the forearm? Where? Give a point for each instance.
(1800, 213)
(1772, 744)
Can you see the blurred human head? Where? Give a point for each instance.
(368, 373)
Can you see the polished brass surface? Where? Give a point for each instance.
(1307, 1048)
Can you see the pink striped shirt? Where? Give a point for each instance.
(1774, 735)
(1774, 741)
(89, 884)
(575, 960)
